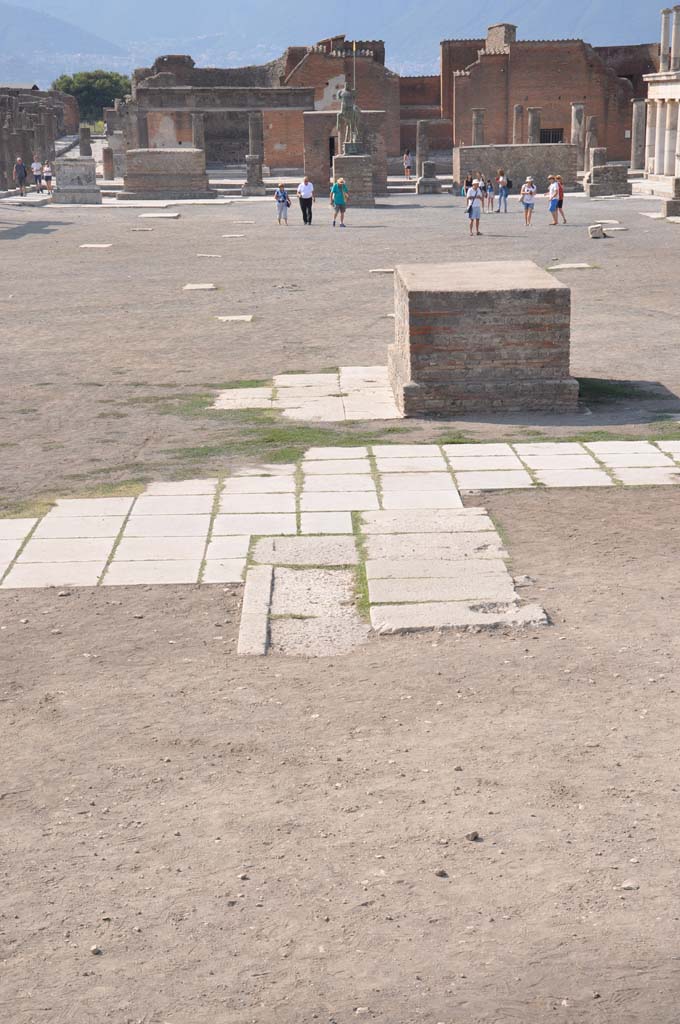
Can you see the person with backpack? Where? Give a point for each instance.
(504, 185)
(282, 203)
(475, 198)
(339, 197)
(19, 175)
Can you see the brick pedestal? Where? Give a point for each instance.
(358, 174)
(480, 338)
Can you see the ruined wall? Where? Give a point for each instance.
(420, 100)
(30, 122)
(631, 62)
(455, 55)
(518, 162)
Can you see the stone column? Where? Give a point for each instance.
(478, 126)
(85, 140)
(591, 139)
(650, 134)
(142, 131)
(637, 142)
(578, 128)
(675, 39)
(665, 39)
(107, 163)
(534, 125)
(660, 148)
(198, 131)
(422, 146)
(256, 134)
(671, 137)
(517, 118)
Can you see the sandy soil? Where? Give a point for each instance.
(251, 842)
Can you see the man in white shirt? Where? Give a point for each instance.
(36, 168)
(553, 195)
(305, 191)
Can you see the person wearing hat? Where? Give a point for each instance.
(475, 198)
(553, 194)
(527, 197)
(560, 198)
(339, 197)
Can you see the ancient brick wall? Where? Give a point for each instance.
(631, 62)
(455, 55)
(319, 126)
(518, 162)
(283, 138)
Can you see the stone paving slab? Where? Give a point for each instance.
(316, 454)
(355, 501)
(78, 526)
(257, 598)
(96, 245)
(148, 573)
(472, 464)
(80, 549)
(328, 467)
(182, 487)
(243, 503)
(16, 528)
(454, 547)
(221, 548)
(483, 587)
(239, 401)
(8, 549)
(574, 478)
(92, 507)
(306, 380)
(200, 287)
(167, 526)
(403, 618)
(426, 464)
(672, 447)
(267, 470)
(259, 485)
(224, 570)
(619, 447)
(329, 550)
(400, 451)
(549, 448)
(582, 461)
(417, 482)
(434, 568)
(463, 520)
(161, 549)
(54, 574)
(326, 522)
(493, 480)
(259, 525)
(632, 460)
(318, 410)
(638, 477)
(159, 216)
(338, 482)
(422, 499)
(477, 450)
(244, 318)
(298, 394)
(319, 637)
(173, 504)
(311, 592)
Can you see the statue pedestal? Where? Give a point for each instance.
(428, 183)
(254, 185)
(352, 149)
(358, 174)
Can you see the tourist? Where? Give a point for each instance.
(19, 175)
(47, 176)
(408, 163)
(503, 190)
(560, 201)
(282, 203)
(467, 184)
(339, 197)
(489, 194)
(527, 197)
(36, 169)
(553, 194)
(475, 198)
(305, 191)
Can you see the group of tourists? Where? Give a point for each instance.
(42, 175)
(339, 196)
(480, 191)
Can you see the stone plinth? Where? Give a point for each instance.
(166, 174)
(358, 174)
(117, 143)
(428, 184)
(107, 163)
(75, 181)
(605, 179)
(85, 140)
(518, 162)
(254, 184)
(480, 338)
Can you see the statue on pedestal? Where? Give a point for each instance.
(349, 122)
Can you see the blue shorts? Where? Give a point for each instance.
(554, 203)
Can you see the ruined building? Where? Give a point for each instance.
(30, 122)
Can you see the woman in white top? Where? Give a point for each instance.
(475, 198)
(408, 163)
(528, 198)
(47, 175)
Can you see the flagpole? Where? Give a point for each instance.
(354, 47)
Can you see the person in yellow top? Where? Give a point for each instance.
(339, 197)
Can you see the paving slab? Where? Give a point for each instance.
(71, 550)
(294, 394)
(453, 547)
(642, 459)
(425, 464)
(378, 374)
(268, 470)
(245, 318)
(494, 480)
(8, 549)
(55, 527)
(167, 526)
(574, 478)
(92, 507)
(173, 504)
(330, 410)
(485, 450)
(417, 482)
(13, 528)
(405, 618)
(320, 637)
(332, 467)
(224, 570)
(233, 236)
(284, 484)
(461, 520)
(261, 525)
(354, 501)
(582, 461)
(228, 548)
(422, 499)
(481, 587)
(314, 454)
(620, 447)
(54, 574)
(130, 574)
(200, 287)
(672, 447)
(549, 448)
(639, 477)
(475, 463)
(382, 270)
(400, 451)
(571, 266)
(242, 503)
(96, 245)
(338, 482)
(435, 568)
(253, 636)
(311, 592)
(209, 255)
(182, 487)
(327, 550)
(159, 216)
(229, 400)
(305, 380)
(159, 549)
(326, 522)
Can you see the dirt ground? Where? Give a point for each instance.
(259, 841)
(109, 367)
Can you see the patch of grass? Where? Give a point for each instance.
(234, 384)
(34, 508)
(361, 597)
(595, 389)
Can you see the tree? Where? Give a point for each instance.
(94, 90)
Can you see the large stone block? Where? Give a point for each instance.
(166, 174)
(76, 181)
(358, 173)
(518, 161)
(480, 338)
